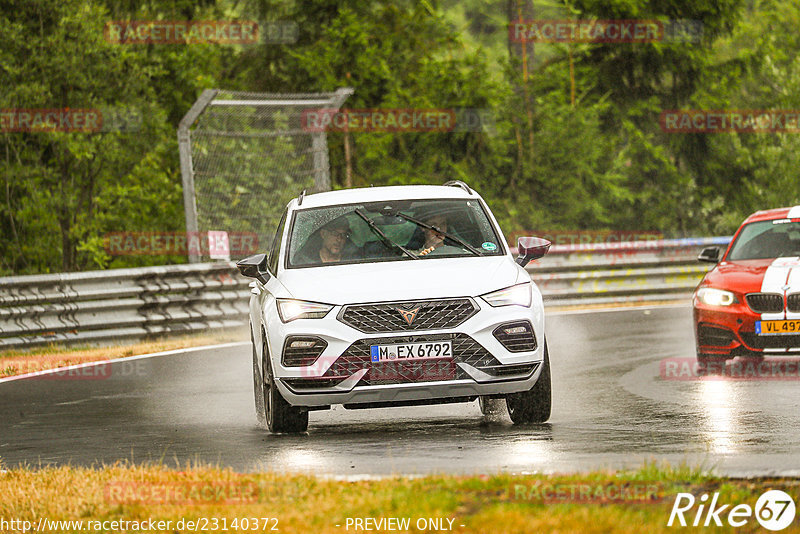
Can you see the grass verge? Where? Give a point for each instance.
(17, 362)
(637, 501)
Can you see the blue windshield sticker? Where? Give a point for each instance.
(489, 246)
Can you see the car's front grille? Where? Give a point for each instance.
(793, 302)
(765, 302)
(408, 316)
(755, 341)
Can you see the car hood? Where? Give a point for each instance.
(402, 280)
(748, 276)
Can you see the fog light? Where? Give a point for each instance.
(515, 330)
(302, 344)
(517, 336)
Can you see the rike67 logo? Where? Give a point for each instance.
(774, 510)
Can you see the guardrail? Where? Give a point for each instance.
(100, 306)
(635, 271)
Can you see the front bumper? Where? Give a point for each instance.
(731, 331)
(342, 375)
(405, 392)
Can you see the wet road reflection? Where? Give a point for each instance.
(614, 407)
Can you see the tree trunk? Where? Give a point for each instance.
(522, 10)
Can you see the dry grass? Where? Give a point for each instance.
(16, 362)
(307, 504)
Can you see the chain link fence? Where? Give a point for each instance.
(244, 156)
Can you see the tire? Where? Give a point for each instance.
(281, 417)
(534, 405)
(490, 406)
(258, 389)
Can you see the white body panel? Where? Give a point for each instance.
(392, 281)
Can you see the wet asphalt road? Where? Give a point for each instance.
(612, 409)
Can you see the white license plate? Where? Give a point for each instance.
(411, 351)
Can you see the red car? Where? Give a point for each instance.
(749, 303)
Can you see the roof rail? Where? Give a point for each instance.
(300, 198)
(459, 183)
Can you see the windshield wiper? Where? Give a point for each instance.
(451, 237)
(386, 240)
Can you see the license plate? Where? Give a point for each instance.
(411, 351)
(777, 328)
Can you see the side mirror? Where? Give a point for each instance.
(531, 248)
(709, 254)
(254, 267)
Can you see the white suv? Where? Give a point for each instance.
(395, 296)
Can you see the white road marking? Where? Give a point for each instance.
(126, 359)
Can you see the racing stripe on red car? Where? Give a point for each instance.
(793, 281)
(776, 278)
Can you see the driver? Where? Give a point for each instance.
(334, 237)
(330, 245)
(434, 241)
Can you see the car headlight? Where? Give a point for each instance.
(290, 309)
(715, 297)
(518, 295)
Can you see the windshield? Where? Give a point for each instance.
(380, 231)
(767, 239)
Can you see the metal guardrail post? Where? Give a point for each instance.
(319, 146)
(187, 171)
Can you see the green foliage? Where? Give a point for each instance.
(551, 160)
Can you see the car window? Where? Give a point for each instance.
(272, 263)
(339, 234)
(766, 239)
